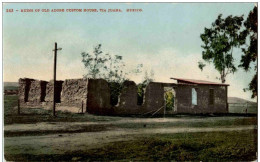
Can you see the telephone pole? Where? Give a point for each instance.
(54, 76)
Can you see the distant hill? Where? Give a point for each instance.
(10, 85)
(13, 84)
(238, 100)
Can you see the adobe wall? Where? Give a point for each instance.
(127, 102)
(95, 96)
(184, 98)
(31, 91)
(220, 95)
(37, 92)
(23, 90)
(74, 92)
(98, 97)
(152, 101)
(154, 97)
(49, 92)
(71, 92)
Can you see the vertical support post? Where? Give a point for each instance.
(246, 107)
(164, 107)
(82, 105)
(164, 104)
(18, 104)
(227, 106)
(54, 77)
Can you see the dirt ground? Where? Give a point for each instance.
(63, 137)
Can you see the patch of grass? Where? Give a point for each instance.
(89, 128)
(236, 145)
(9, 103)
(10, 88)
(43, 115)
(210, 146)
(197, 124)
(35, 115)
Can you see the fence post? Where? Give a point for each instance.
(18, 106)
(82, 105)
(246, 107)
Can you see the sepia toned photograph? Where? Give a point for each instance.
(130, 81)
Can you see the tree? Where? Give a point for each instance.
(115, 69)
(219, 41)
(250, 52)
(115, 76)
(94, 63)
(140, 87)
(108, 67)
(169, 99)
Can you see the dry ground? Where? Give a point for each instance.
(60, 138)
(36, 136)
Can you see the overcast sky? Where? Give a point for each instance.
(165, 38)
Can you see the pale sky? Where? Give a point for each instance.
(165, 38)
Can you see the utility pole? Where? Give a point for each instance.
(54, 76)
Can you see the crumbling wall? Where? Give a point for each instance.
(24, 88)
(43, 90)
(154, 97)
(74, 92)
(98, 97)
(37, 92)
(128, 100)
(49, 92)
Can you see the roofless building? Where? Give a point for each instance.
(187, 96)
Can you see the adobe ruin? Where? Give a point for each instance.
(189, 96)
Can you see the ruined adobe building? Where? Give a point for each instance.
(189, 96)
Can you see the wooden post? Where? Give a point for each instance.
(246, 107)
(54, 77)
(18, 104)
(227, 106)
(164, 109)
(82, 105)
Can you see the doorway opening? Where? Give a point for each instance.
(43, 90)
(169, 99)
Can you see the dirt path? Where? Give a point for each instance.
(73, 126)
(62, 143)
